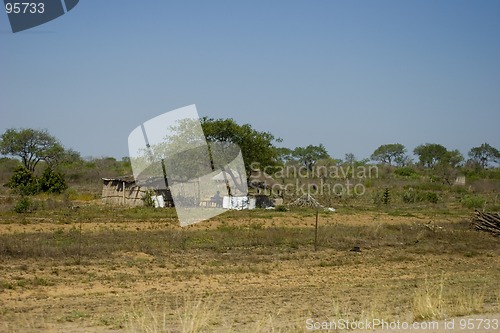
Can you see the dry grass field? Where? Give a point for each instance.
(98, 269)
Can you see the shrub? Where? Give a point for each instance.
(281, 208)
(432, 197)
(148, 199)
(472, 201)
(410, 196)
(52, 181)
(386, 197)
(24, 205)
(24, 182)
(405, 172)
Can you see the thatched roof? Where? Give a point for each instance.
(126, 179)
(152, 182)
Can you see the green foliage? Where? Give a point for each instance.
(405, 172)
(310, 155)
(430, 154)
(32, 146)
(256, 147)
(285, 155)
(281, 208)
(410, 196)
(386, 197)
(24, 182)
(148, 199)
(472, 201)
(24, 205)
(52, 181)
(432, 197)
(390, 153)
(483, 155)
(444, 163)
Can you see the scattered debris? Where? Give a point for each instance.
(432, 226)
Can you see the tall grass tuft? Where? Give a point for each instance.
(192, 316)
(435, 301)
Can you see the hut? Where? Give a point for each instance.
(123, 191)
(269, 190)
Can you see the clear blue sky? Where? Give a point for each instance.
(349, 74)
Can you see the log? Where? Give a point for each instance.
(488, 222)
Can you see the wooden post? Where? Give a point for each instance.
(123, 189)
(316, 232)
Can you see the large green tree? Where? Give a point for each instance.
(390, 153)
(483, 155)
(256, 146)
(310, 155)
(447, 167)
(430, 154)
(32, 146)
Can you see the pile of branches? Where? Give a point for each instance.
(489, 222)
(306, 200)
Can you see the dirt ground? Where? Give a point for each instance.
(263, 292)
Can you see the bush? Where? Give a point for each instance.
(386, 196)
(281, 208)
(148, 199)
(472, 201)
(24, 182)
(405, 172)
(409, 196)
(24, 205)
(52, 181)
(432, 197)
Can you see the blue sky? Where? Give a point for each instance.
(349, 74)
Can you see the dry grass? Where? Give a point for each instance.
(261, 272)
(193, 316)
(438, 300)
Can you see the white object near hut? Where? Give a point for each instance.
(238, 203)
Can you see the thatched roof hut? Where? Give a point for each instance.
(124, 191)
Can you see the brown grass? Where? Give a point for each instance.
(137, 271)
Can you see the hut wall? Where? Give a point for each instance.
(115, 193)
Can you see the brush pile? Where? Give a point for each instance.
(306, 200)
(489, 222)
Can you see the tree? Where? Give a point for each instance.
(447, 166)
(310, 155)
(350, 158)
(390, 153)
(284, 155)
(430, 154)
(453, 158)
(256, 147)
(483, 155)
(32, 146)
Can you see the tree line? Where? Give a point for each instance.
(38, 149)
